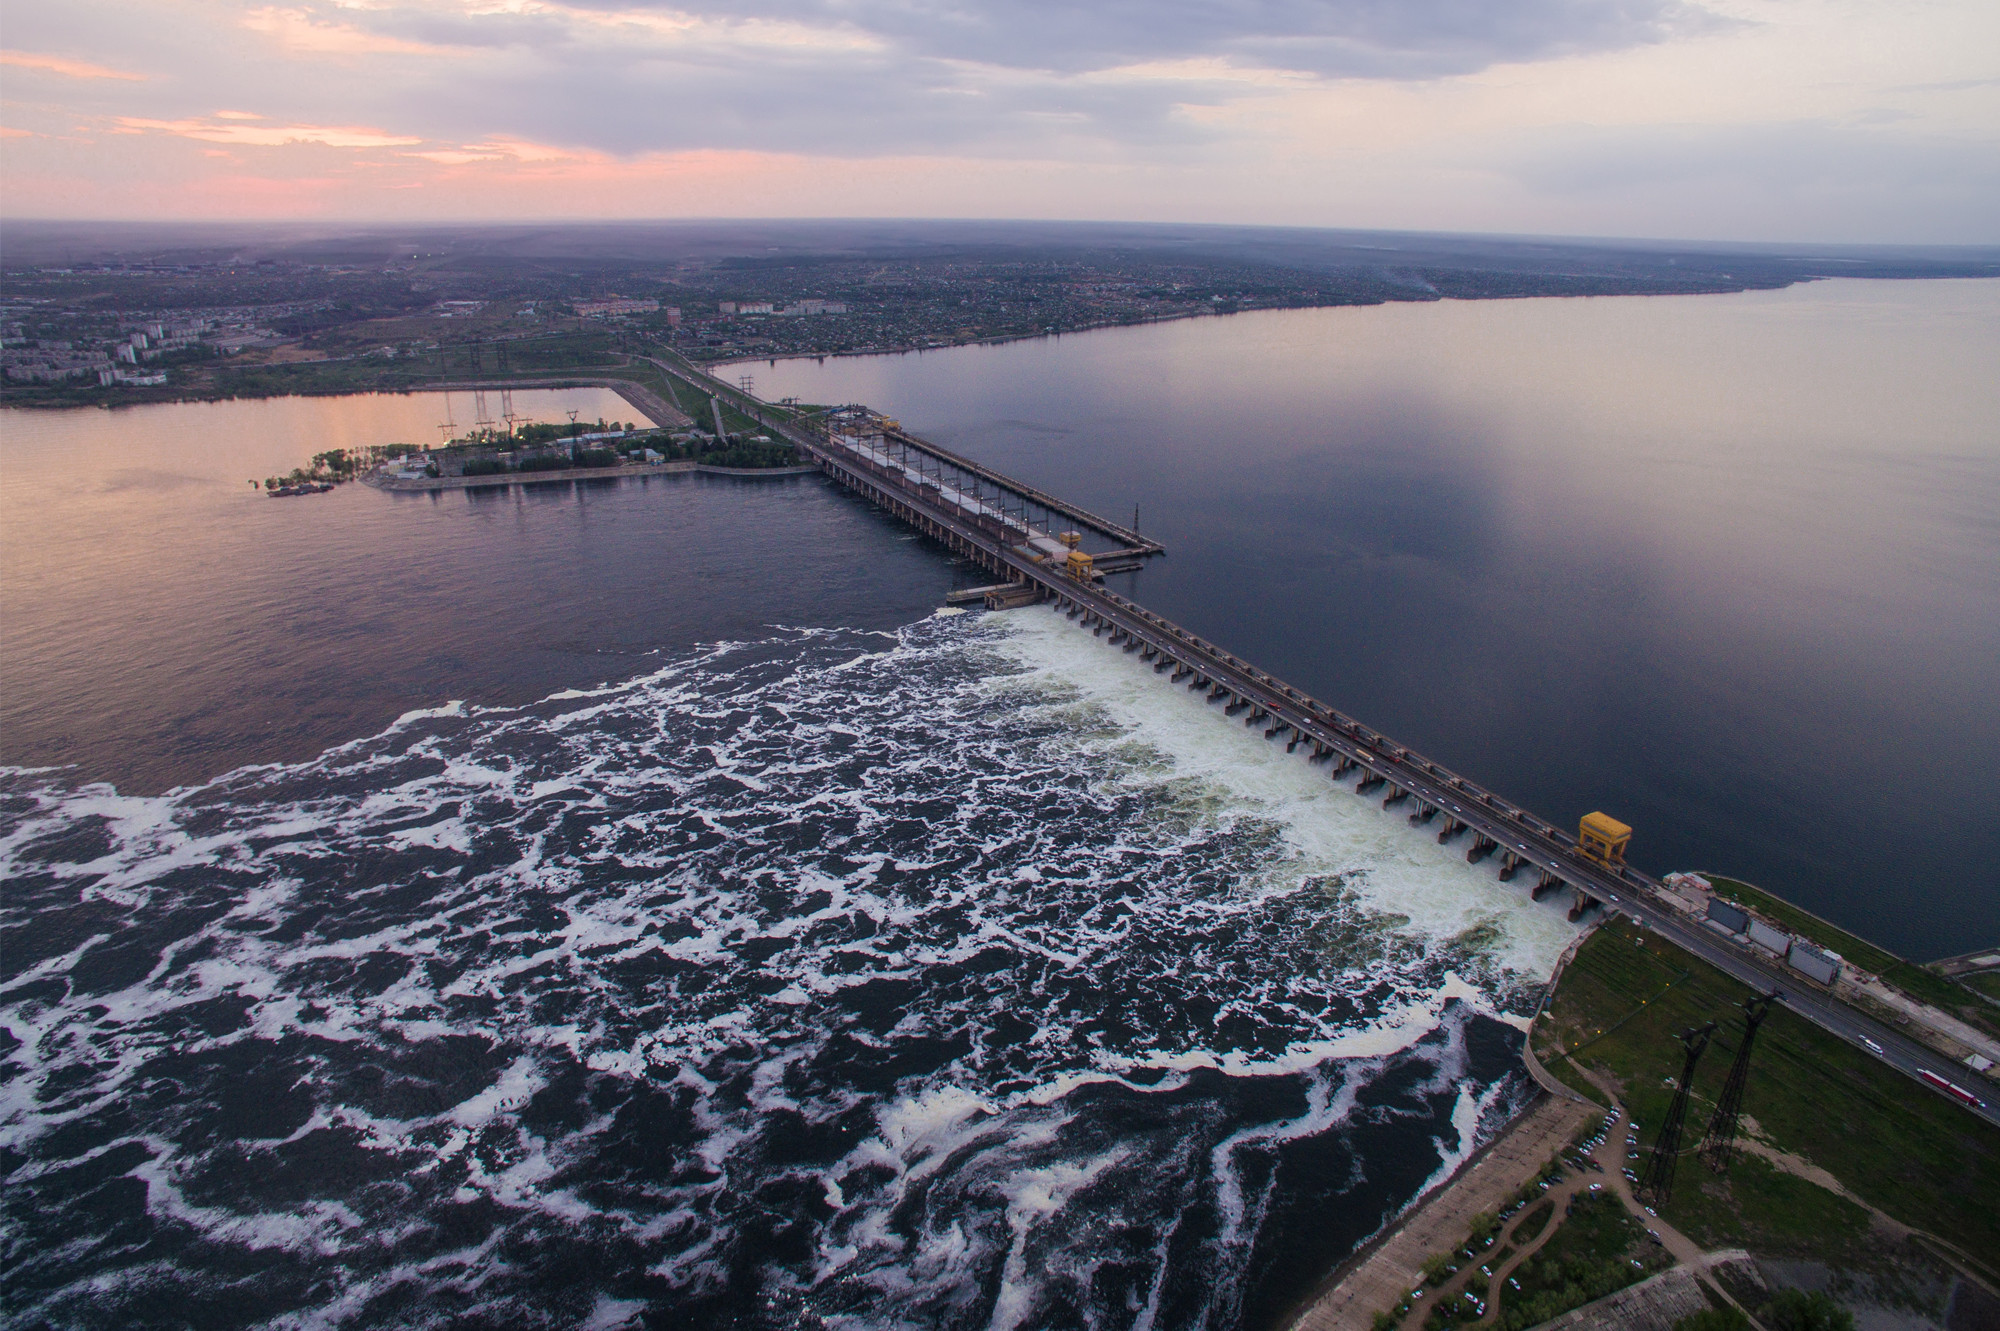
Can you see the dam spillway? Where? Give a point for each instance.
(992, 520)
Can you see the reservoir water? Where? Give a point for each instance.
(1725, 566)
(583, 904)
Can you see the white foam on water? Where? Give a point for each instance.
(606, 964)
(1468, 1113)
(1396, 868)
(608, 1314)
(1037, 1195)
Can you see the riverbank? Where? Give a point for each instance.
(637, 382)
(1908, 1171)
(1382, 1272)
(504, 479)
(998, 339)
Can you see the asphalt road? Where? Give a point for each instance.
(1843, 1020)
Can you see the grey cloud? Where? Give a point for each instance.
(858, 109)
(1585, 159)
(557, 79)
(972, 77)
(1863, 179)
(1337, 38)
(1954, 85)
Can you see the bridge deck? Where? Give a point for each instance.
(1135, 544)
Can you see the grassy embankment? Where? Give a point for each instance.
(695, 402)
(1919, 982)
(1914, 1155)
(699, 407)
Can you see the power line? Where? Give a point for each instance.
(1659, 1180)
(1721, 1140)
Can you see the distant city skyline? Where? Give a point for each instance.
(1752, 120)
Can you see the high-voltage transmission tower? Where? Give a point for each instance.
(1658, 1182)
(1721, 1140)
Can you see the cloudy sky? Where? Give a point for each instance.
(1819, 120)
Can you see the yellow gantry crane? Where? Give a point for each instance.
(1602, 838)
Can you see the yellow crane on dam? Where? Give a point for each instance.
(1602, 838)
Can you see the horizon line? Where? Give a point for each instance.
(578, 224)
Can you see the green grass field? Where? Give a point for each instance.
(689, 399)
(1599, 1250)
(1918, 1157)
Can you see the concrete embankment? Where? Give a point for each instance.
(1381, 1273)
(1543, 1077)
(525, 477)
(754, 471)
(504, 479)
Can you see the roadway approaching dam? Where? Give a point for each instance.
(1010, 529)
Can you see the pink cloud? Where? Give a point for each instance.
(455, 156)
(70, 69)
(300, 32)
(268, 136)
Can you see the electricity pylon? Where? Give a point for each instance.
(1721, 1141)
(1659, 1180)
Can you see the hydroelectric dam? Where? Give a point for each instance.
(1033, 541)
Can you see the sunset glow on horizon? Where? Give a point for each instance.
(1736, 119)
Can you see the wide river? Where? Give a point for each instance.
(580, 903)
(1727, 567)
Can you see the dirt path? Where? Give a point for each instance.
(1559, 1196)
(1611, 1156)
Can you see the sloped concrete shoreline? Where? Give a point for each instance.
(1382, 1273)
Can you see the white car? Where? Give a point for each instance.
(1872, 1046)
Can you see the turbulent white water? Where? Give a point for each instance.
(973, 976)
